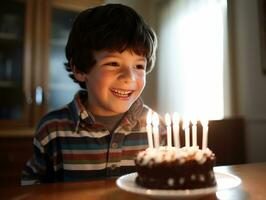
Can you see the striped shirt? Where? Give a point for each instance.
(69, 145)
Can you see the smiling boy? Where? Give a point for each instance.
(109, 51)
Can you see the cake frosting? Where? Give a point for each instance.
(175, 168)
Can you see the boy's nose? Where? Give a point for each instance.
(127, 75)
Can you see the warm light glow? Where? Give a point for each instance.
(185, 123)
(167, 119)
(169, 129)
(176, 118)
(186, 128)
(155, 119)
(194, 36)
(204, 122)
(205, 129)
(194, 121)
(149, 128)
(155, 129)
(194, 132)
(149, 117)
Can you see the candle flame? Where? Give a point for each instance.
(194, 121)
(176, 118)
(204, 123)
(186, 123)
(149, 117)
(155, 119)
(168, 119)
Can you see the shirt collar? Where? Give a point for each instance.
(134, 112)
(78, 110)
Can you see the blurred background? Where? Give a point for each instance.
(210, 64)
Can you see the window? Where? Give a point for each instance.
(191, 58)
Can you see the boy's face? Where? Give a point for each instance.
(115, 82)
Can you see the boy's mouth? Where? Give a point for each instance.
(124, 94)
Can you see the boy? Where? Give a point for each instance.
(109, 51)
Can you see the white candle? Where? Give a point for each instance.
(204, 133)
(194, 133)
(176, 120)
(149, 128)
(155, 123)
(169, 129)
(186, 127)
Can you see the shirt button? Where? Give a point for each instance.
(114, 145)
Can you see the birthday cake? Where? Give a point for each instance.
(175, 168)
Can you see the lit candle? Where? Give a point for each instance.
(155, 123)
(186, 127)
(169, 129)
(194, 133)
(204, 133)
(176, 120)
(149, 128)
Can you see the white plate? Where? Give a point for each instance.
(224, 181)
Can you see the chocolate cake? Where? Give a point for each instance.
(175, 168)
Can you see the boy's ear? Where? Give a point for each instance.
(79, 75)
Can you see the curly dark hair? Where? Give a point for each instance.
(112, 27)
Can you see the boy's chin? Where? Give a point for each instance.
(121, 109)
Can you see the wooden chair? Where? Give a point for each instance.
(226, 138)
(14, 152)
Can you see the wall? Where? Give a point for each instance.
(250, 82)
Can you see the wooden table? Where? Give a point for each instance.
(253, 186)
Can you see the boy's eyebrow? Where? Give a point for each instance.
(140, 58)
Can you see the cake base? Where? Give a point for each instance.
(190, 175)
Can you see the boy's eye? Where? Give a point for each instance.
(141, 67)
(114, 64)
